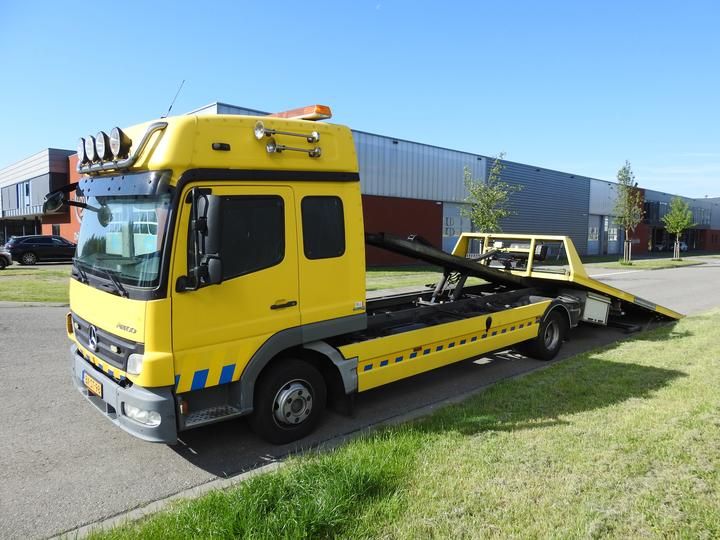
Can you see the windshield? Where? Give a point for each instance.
(124, 235)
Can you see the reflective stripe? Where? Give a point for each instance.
(226, 374)
(199, 379)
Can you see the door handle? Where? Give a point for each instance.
(291, 303)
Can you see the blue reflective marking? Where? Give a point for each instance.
(474, 338)
(484, 336)
(383, 363)
(399, 359)
(462, 342)
(503, 330)
(521, 325)
(199, 379)
(368, 367)
(177, 380)
(494, 333)
(111, 372)
(412, 355)
(512, 328)
(426, 351)
(226, 374)
(452, 344)
(439, 348)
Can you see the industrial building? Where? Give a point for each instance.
(412, 188)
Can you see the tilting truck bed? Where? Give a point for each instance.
(521, 257)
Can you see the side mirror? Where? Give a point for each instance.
(204, 261)
(214, 271)
(54, 201)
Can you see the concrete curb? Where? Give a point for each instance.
(5, 304)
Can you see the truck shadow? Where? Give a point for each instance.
(543, 399)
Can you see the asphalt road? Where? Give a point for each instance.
(63, 466)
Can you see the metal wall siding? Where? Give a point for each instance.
(551, 202)
(46, 161)
(413, 170)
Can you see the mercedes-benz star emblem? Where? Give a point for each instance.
(92, 339)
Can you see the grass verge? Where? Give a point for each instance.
(620, 442)
(654, 264)
(392, 277)
(35, 284)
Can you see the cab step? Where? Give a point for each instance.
(210, 415)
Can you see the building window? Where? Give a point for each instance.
(323, 227)
(253, 234)
(593, 234)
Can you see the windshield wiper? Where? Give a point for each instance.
(110, 274)
(77, 271)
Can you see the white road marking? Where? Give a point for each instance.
(616, 273)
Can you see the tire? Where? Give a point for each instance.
(289, 401)
(3, 263)
(549, 339)
(28, 258)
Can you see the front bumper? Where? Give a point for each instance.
(110, 405)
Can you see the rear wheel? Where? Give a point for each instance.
(3, 263)
(28, 258)
(289, 401)
(549, 339)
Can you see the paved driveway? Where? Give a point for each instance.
(62, 465)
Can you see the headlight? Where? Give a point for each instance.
(90, 151)
(101, 146)
(119, 143)
(82, 156)
(134, 365)
(149, 418)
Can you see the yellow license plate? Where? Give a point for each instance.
(93, 385)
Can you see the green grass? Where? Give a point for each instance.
(400, 276)
(620, 442)
(653, 264)
(35, 284)
(392, 277)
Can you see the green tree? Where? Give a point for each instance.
(489, 199)
(628, 209)
(678, 218)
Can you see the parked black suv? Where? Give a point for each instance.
(31, 249)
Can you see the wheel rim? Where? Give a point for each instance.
(28, 258)
(293, 403)
(552, 335)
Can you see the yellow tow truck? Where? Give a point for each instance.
(220, 272)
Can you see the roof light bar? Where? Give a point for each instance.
(311, 112)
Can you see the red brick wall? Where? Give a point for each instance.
(68, 221)
(400, 217)
(710, 240)
(642, 234)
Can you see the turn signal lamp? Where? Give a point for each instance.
(311, 112)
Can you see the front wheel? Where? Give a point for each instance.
(28, 258)
(289, 401)
(549, 339)
(3, 263)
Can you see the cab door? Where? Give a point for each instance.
(217, 328)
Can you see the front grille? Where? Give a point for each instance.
(105, 339)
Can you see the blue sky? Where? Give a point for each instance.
(578, 86)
